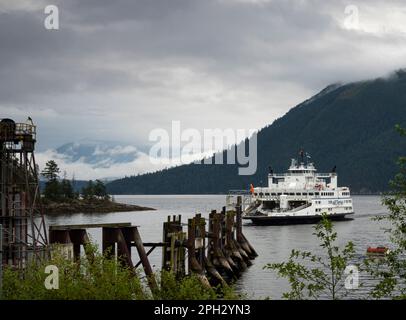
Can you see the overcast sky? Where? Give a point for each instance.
(115, 70)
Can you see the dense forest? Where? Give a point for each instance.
(350, 126)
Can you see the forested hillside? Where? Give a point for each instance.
(349, 126)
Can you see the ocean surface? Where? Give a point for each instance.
(273, 243)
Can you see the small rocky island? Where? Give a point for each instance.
(89, 206)
(60, 197)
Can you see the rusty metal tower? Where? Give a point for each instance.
(24, 231)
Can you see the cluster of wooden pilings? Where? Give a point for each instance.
(214, 249)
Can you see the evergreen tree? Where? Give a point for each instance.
(51, 171)
(100, 190)
(52, 189)
(88, 192)
(67, 189)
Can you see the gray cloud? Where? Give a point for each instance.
(117, 69)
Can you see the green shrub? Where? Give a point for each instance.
(102, 278)
(96, 278)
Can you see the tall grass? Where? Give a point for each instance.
(101, 278)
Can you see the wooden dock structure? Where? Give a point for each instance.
(214, 249)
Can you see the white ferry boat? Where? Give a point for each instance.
(299, 196)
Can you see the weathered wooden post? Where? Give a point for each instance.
(165, 249)
(238, 231)
(231, 243)
(173, 252)
(79, 237)
(144, 259)
(200, 240)
(108, 242)
(215, 254)
(124, 236)
(242, 240)
(193, 264)
(225, 248)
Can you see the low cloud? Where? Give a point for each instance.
(83, 168)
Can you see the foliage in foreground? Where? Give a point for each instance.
(391, 272)
(191, 288)
(314, 277)
(96, 278)
(101, 278)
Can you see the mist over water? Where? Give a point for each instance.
(273, 243)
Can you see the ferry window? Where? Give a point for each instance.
(255, 194)
(317, 193)
(305, 193)
(273, 194)
(291, 194)
(298, 194)
(279, 194)
(267, 194)
(310, 193)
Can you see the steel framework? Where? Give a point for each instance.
(24, 230)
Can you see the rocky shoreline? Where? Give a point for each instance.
(93, 206)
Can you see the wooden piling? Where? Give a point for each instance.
(194, 265)
(215, 253)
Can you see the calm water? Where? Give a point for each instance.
(273, 243)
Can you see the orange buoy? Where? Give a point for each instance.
(377, 250)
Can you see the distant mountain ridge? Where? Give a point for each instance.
(350, 126)
(98, 153)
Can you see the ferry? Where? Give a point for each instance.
(298, 196)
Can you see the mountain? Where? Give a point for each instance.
(350, 126)
(92, 158)
(99, 154)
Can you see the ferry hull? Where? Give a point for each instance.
(288, 220)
